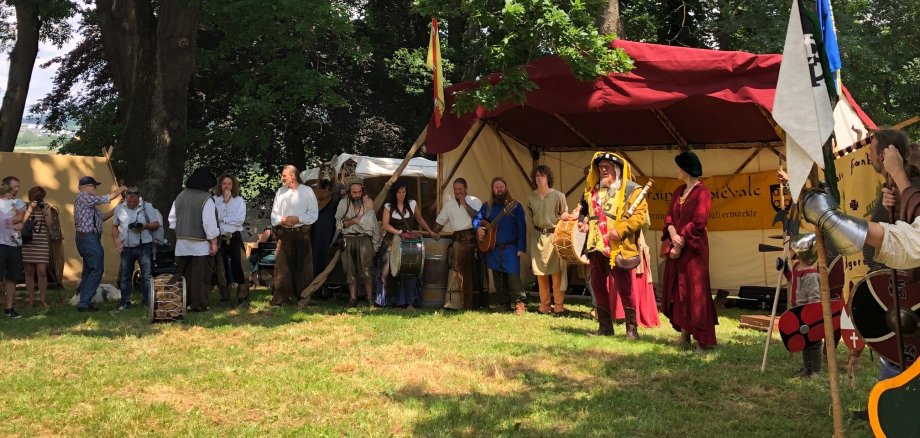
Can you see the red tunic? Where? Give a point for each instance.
(687, 298)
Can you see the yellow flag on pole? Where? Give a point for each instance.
(434, 63)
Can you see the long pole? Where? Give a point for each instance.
(378, 201)
(829, 345)
(896, 296)
(779, 282)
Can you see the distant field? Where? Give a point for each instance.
(32, 141)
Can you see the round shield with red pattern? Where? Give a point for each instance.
(802, 326)
(873, 297)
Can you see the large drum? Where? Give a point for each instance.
(167, 300)
(434, 286)
(570, 243)
(407, 256)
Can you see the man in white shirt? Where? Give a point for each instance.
(194, 218)
(133, 224)
(293, 212)
(231, 255)
(457, 215)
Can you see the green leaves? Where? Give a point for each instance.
(504, 36)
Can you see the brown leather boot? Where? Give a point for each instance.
(604, 323)
(632, 328)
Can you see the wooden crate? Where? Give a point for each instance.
(759, 322)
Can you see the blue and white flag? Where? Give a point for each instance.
(829, 36)
(801, 105)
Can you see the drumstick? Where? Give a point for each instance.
(632, 208)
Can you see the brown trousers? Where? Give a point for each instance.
(197, 271)
(293, 263)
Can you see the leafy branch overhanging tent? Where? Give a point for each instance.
(717, 103)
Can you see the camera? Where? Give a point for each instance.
(136, 226)
(41, 204)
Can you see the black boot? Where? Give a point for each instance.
(815, 367)
(632, 329)
(604, 323)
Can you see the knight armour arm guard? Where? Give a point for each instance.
(846, 233)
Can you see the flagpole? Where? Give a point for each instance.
(829, 345)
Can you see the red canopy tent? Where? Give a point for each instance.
(715, 102)
(675, 96)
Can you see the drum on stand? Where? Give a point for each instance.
(407, 256)
(570, 243)
(167, 299)
(434, 285)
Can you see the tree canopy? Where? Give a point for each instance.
(286, 81)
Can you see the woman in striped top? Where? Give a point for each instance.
(37, 252)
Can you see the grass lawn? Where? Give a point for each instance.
(322, 371)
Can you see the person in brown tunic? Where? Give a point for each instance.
(544, 206)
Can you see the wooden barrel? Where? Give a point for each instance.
(434, 275)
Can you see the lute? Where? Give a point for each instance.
(487, 242)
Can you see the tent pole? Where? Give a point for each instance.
(588, 141)
(576, 186)
(378, 201)
(749, 159)
(466, 150)
(669, 126)
(513, 157)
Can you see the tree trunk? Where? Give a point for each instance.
(152, 58)
(293, 142)
(22, 60)
(608, 20)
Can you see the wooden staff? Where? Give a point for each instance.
(779, 283)
(899, 339)
(829, 345)
(107, 154)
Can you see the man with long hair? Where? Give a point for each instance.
(545, 206)
(505, 219)
(231, 262)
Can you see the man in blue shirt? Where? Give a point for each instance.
(505, 218)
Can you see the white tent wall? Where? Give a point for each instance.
(734, 260)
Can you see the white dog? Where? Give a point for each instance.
(105, 292)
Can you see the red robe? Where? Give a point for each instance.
(687, 297)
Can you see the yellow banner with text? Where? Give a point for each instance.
(747, 201)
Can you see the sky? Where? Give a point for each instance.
(41, 77)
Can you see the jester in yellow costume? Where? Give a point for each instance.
(612, 246)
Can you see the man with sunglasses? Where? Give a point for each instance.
(132, 230)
